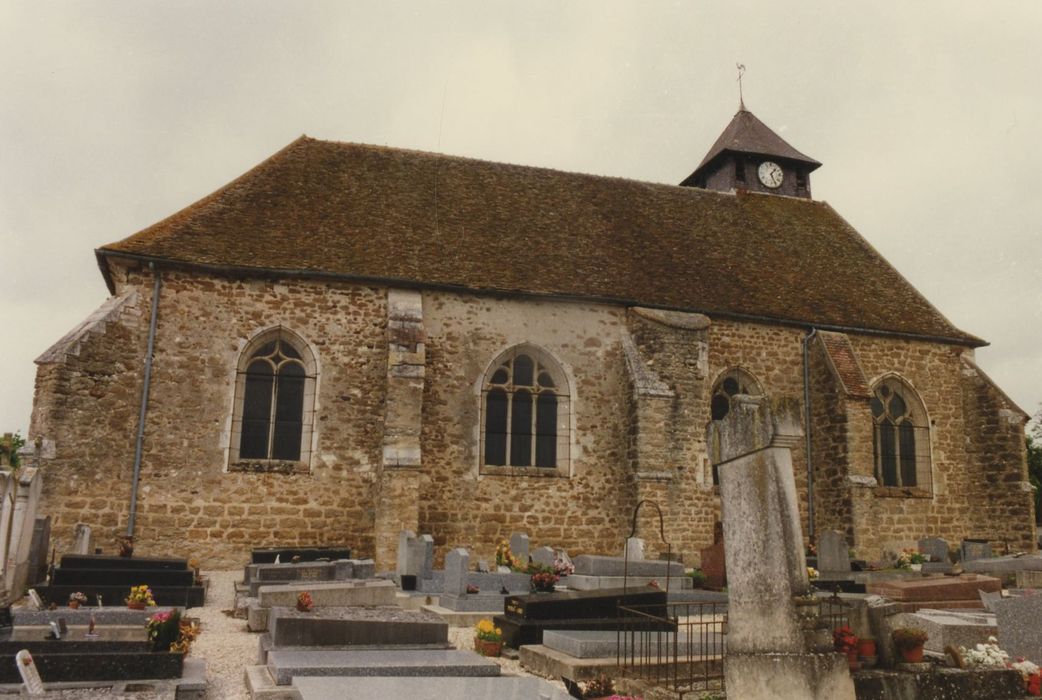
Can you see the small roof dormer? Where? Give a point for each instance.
(750, 156)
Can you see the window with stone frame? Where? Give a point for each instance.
(900, 435)
(274, 404)
(731, 383)
(525, 414)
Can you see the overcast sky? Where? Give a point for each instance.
(926, 115)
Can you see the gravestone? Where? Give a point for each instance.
(773, 650)
(634, 549)
(35, 600)
(972, 549)
(519, 546)
(1019, 621)
(833, 552)
(41, 544)
(29, 673)
(936, 548)
(457, 565)
(714, 563)
(544, 556)
(405, 540)
(83, 540)
(419, 561)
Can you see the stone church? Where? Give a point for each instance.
(351, 340)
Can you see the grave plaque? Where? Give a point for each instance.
(936, 548)
(1019, 620)
(833, 553)
(519, 546)
(975, 549)
(83, 542)
(30, 675)
(543, 556)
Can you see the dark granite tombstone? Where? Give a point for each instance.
(713, 563)
(171, 581)
(38, 549)
(80, 660)
(527, 616)
(102, 561)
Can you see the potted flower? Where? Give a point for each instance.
(168, 631)
(304, 602)
(488, 639)
(909, 643)
(911, 559)
(543, 578)
(845, 642)
(77, 599)
(140, 597)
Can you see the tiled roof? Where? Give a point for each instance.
(845, 364)
(421, 219)
(747, 134)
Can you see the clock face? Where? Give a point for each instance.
(771, 174)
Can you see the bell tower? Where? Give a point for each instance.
(749, 156)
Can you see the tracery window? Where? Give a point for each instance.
(525, 411)
(275, 388)
(901, 435)
(728, 385)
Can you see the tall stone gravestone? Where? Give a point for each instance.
(457, 566)
(635, 549)
(30, 674)
(975, 549)
(420, 560)
(833, 553)
(544, 556)
(772, 651)
(38, 548)
(519, 546)
(405, 540)
(936, 549)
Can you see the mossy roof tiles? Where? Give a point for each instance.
(370, 212)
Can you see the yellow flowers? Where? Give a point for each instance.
(141, 594)
(487, 630)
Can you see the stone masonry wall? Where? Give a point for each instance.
(832, 507)
(189, 505)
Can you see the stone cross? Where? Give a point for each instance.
(771, 653)
(519, 546)
(30, 674)
(457, 566)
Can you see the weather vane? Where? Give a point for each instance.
(741, 98)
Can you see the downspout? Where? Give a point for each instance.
(144, 399)
(807, 432)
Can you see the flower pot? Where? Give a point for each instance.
(74, 604)
(913, 655)
(487, 648)
(852, 661)
(866, 647)
(136, 604)
(915, 567)
(1033, 685)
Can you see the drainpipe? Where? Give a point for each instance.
(144, 399)
(807, 431)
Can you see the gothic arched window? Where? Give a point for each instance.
(728, 385)
(901, 435)
(274, 399)
(525, 414)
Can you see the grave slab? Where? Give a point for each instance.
(103, 561)
(267, 555)
(286, 665)
(948, 627)
(592, 644)
(437, 688)
(936, 591)
(596, 565)
(996, 566)
(107, 615)
(580, 582)
(355, 626)
(473, 602)
(332, 594)
(1019, 622)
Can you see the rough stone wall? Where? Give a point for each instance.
(188, 504)
(966, 431)
(1005, 509)
(459, 505)
(829, 444)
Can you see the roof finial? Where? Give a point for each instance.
(741, 99)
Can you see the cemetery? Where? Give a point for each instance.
(764, 618)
